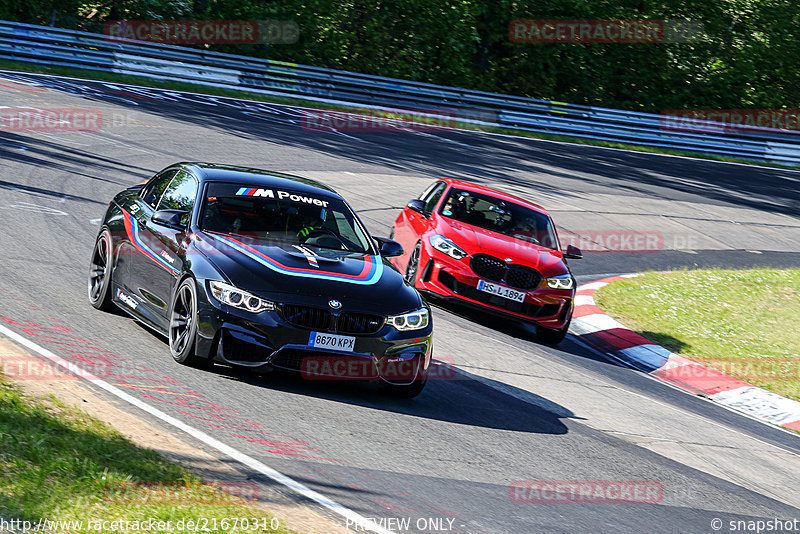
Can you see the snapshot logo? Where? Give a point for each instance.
(604, 31)
(27, 367)
(177, 493)
(585, 491)
(397, 369)
(204, 31)
(50, 120)
(639, 241)
(730, 120)
(409, 120)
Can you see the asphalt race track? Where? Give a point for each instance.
(515, 411)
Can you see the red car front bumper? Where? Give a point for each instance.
(446, 277)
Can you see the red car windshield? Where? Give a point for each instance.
(497, 215)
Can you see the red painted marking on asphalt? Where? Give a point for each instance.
(133, 95)
(57, 334)
(395, 508)
(25, 88)
(296, 448)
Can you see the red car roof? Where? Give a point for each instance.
(477, 188)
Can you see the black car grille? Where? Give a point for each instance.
(307, 317)
(358, 323)
(496, 270)
(320, 319)
(290, 359)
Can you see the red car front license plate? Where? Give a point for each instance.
(501, 291)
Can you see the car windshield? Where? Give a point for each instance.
(283, 215)
(500, 216)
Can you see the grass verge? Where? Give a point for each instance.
(59, 464)
(299, 101)
(740, 322)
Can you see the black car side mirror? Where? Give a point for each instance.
(170, 218)
(416, 205)
(389, 248)
(573, 253)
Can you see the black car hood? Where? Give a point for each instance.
(310, 275)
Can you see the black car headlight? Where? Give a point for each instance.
(233, 296)
(562, 281)
(415, 320)
(442, 244)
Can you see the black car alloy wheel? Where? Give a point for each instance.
(183, 323)
(100, 273)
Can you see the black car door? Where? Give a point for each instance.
(140, 251)
(167, 245)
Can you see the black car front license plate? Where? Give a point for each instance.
(320, 340)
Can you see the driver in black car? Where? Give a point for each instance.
(304, 222)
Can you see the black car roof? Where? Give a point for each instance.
(214, 172)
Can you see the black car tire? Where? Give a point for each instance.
(99, 286)
(413, 266)
(183, 325)
(550, 336)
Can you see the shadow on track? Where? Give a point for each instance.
(503, 161)
(460, 400)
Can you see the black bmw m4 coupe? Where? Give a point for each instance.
(261, 270)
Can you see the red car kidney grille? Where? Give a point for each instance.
(496, 270)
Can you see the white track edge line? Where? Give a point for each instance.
(241, 457)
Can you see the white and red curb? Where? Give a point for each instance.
(603, 333)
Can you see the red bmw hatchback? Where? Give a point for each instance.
(488, 249)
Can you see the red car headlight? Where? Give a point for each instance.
(563, 281)
(442, 244)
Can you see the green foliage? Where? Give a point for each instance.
(747, 57)
(58, 463)
(734, 321)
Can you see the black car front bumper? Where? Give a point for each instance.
(267, 341)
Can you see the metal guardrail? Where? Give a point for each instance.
(59, 47)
